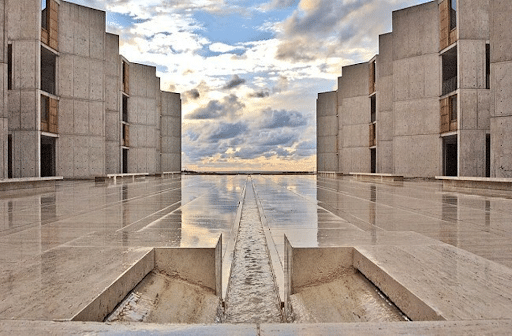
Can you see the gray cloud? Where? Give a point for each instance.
(234, 82)
(228, 131)
(260, 94)
(278, 119)
(230, 107)
(281, 4)
(193, 94)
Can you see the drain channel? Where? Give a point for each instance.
(251, 295)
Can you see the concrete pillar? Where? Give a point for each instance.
(171, 132)
(501, 88)
(327, 132)
(4, 116)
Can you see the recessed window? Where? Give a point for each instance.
(487, 66)
(48, 70)
(453, 108)
(373, 113)
(9, 67)
(453, 14)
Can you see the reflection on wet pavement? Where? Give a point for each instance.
(56, 245)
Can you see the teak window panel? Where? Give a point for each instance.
(126, 135)
(448, 36)
(371, 83)
(448, 107)
(126, 77)
(50, 30)
(49, 115)
(373, 135)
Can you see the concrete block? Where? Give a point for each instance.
(473, 19)
(354, 81)
(26, 64)
(24, 20)
(501, 147)
(502, 89)
(81, 31)
(112, 126)
(416, 31)
(384, 94)
(112, 55)
(81, 80)
(472, 153)
(29, 110)
(355, 110)
(65, 154)
(501, 41)
(96, 80)
(66, 28)
(326, 144)
(97, 29)
(96, 156)
(385, 157)
(472, 66)
(66, 112)
(417, 117)
(81, 157)
(416, 78)
(112, 157)
(327, 162)
(484, 109)
(81, 117)
(327, 126)
(424, 150)
(355, 159)
(112, 94)
(96, 118)
(14, 106)
(385, 57)
(385, 126)
(66, 75)
(356, 136)
(327, 104)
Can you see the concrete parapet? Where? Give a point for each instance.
(25, 186)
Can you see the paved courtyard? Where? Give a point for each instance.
(59, 250)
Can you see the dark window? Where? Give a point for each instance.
(125, 160)
(48, 70)
(449, 62)
(44, 15)
(125, 108)
(453, 14)
(373, 158)
(450, 156)
(9, 156)
(9, 67)
(487, 66)
(453, 108)
(488, 156)
(373, 103)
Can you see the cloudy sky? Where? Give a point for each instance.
(249, 70)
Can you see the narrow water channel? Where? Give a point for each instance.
(252, 293)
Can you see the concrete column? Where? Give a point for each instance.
(327, 132)
(4, 116)
(171, 132)
(501, 88)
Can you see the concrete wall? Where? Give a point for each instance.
(4, 116)
(81, 86)
(327, 131)
(416, 78)
(384, 80)
(24, 30)
(501, 85)
(171, 132)
(474, 98)
(142, 117)
(354, 119)
(113, 105)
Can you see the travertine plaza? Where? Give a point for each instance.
(126, 243)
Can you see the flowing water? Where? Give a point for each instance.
(252, 292)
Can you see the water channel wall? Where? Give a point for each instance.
(200, 266)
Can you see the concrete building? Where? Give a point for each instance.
(422, 106)
(76, 108)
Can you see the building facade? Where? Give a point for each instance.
(71, 105)
(432, 102)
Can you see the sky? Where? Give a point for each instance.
(248, 71)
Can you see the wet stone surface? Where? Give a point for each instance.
(252, 295)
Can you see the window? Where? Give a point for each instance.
(125, 108)
(487, 66)
(44, 15)
(9, 67)
(449, 62)
(453, 108)
(453, 14)
(48, 71)
(126, 77)
(373, 113)
(45, 109)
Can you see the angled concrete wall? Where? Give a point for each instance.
(24, 32)
(81, 86)
(474, 98)
(354, 119)
(171, 132)
(384, 82)
(142, 117)
(327, 131)
(4, 116)
(416, 78)
(501, 85)
(113, 105)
